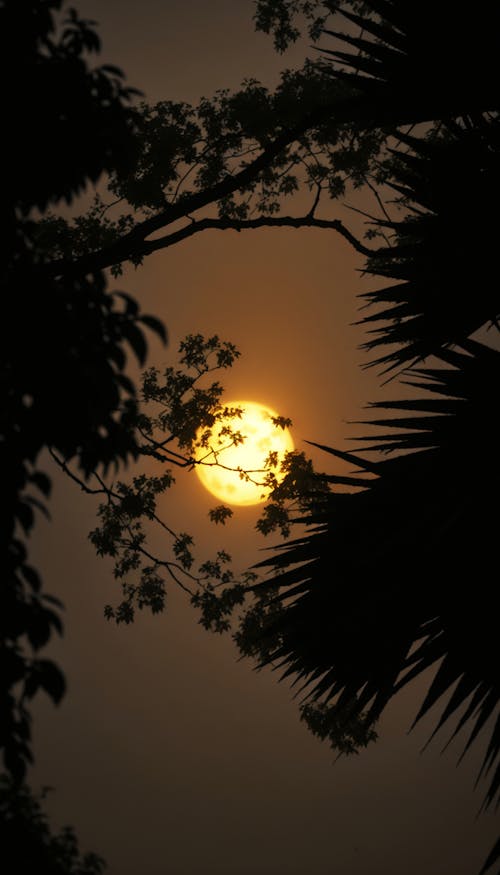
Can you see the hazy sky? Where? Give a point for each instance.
(168, 755)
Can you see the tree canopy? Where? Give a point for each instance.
(63, 338)
(374, 109)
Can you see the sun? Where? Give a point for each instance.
(261, 436)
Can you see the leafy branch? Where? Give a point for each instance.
(239, 155)
(182, 422)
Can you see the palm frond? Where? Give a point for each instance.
(394, 578)
(439, 71)
(442, 257)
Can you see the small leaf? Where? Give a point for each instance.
(136, 340)
(131, 305)
(51, 679)
(40, 479)
(31, 577)
(24, 514)
(220, 514)
(155, 325)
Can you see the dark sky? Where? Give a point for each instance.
(168, 755)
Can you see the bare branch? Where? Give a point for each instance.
(378, 199)
(224, 224)
(81, 483)
(315, 202)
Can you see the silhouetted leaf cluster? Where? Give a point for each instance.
(346, 731)
(27, 843)
(279, 17)
(64, 338)
(178, 413)
(219, 161)
(67, 122)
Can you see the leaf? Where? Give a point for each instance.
(24, 514)
(31, 576)
(51, 679)
(42, 481)
(136, 340)
(155, 325)
(110, 68)
(492, 858)
(220, 514)
(131, 305)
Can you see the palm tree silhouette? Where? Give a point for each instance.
(395, 575)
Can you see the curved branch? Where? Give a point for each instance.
(67, 470)
(223, 224)
(381, 105)
(133, 242)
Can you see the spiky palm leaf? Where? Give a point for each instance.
(422, 61)
(419, 62)
(441, 257)
(395, 577)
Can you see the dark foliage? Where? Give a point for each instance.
(26, 840)
(396, 575)
(353, 618)
(443, 248)
(66, 122)
(392, 577)
(421, 61)
(64, 339)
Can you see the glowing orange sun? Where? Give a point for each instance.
(261, 436)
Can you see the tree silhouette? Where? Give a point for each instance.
(353, 626)
(427, 528)
(27, 842)
(230, 163)
(63, 338)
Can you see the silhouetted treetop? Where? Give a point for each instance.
(234, 160)
(66, 121)
(27, 843)
(64, 341)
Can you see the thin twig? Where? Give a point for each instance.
(83, 486)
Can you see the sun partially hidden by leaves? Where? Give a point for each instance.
(177, 405)
(240, 458)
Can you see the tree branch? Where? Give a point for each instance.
(356, 109)
(383, 106)
(222, 224)
(130, 243)
(315, 203)
(83, 486)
